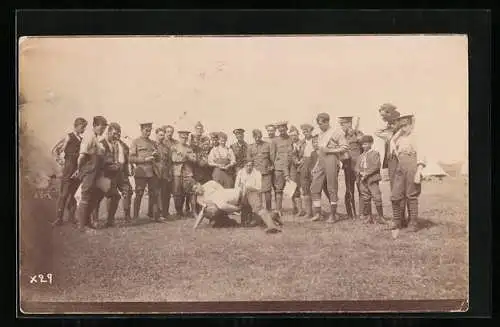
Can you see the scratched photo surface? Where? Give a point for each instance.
(294, 250)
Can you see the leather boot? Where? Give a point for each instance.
(295, 210)
(279, 203)
(404, 214)
(396, 215)
(179, 203)
(412, 214)
(353, 207)
(307, 204)
(112, 206)
(316, 214)
(150, 205)
(137, 205)
(333, 214)
(380, 215)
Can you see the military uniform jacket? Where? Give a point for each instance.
(354, 147)
(140, 149)
(110, 164)
(283, 154)
(163, 162)
(369, 164)
(262, 156)
(183, 160)
(240, 153)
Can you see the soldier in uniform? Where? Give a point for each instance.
(118, 153)
(183, 160)
(169, 136)
(70, 146)
(295, 169)
(306, 155)
(163, 167)
(88, 167)
(262, 155)
(349, 163)
(201, 147)
(331, 145)
(112, 169)
(282, 148)
(271, 137)
(143, 153)
(240, 149)
(223, 160)
(406, 186)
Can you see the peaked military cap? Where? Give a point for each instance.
(323, 116)
(238, 131)
(281, 123)
(214, 135)
(405, 119)
(366, 139)
(100, 121)
(146, 125)
(268, 126)
(306, 127)
(345, 119)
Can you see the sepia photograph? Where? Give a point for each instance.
(242, 168)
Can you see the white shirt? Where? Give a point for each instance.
(221, 154)
(308, 148)
(246, 180)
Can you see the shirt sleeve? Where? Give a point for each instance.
(87, 146)
(60, 146)
(232, 157)
(211, 157)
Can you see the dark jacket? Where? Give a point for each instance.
(372, 169)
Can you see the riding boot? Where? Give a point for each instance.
(353, 207)
(396, 215)
(300, 209)
(279, 203)
(112, 206)
(179, 203)
(137, 205)
(380, 215)
(268, 200)
(295, 210)
(348, 208)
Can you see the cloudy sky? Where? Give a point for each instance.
(229, 82)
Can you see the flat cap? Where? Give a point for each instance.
(281, 123)
(146, 125)
(323, 116)
(405, 119)
(345, 119)
(306, 127)
(238, 131)
(222, 135)
(387, 107)
(115, 126)
(214, 135)
(100, 120)
(198, 125)
(293, 131)
(270, 126)
(366, 139)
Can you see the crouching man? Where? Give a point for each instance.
(246, 198)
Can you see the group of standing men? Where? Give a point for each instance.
(101, 165)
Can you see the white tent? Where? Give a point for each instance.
(433, 169)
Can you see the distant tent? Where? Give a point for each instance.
(465, 169)
(433, 170)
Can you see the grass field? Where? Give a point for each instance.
(307, 261)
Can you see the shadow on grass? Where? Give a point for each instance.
(423, 223)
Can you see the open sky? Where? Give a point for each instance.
(229, 82)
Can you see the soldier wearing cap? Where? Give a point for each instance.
(262, 155)
(222, 159)
(282, 147)
(88, 167)
(70, 147)
(295, 169)
(331, 145)
(200, 144)
(163, 167)
(143, 152)
(183, 159)
(240, 149)
(349, 163)
(406, 187)
(271, 137)
(112, 169)
(306, 155)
